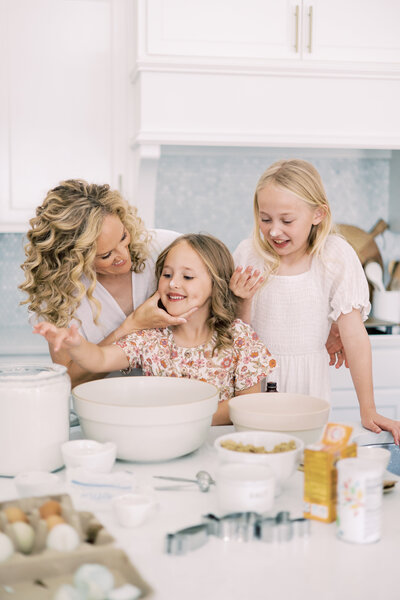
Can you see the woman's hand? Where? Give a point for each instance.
(335, 348)
(376, 423)
(59, 337)
(149, 315)
(245, 282)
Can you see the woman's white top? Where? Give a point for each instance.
(293, 314)
(143, 286)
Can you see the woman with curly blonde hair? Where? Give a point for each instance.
(194, 271)
(90, 261)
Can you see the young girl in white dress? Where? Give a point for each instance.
(194, 271)
(305, 278)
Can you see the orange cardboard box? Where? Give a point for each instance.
(320, 473)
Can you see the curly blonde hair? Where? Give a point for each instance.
(302, 179)
(62, 247)
(219, 263)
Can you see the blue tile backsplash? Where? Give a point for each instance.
(212, 191)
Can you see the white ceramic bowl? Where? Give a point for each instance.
(89, 454)
(375, 454)
(149, 418)
(294, 414)
(283, 464)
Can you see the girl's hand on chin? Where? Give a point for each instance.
(245, 282)
(59, 337)
(149, 315)
(376, 423)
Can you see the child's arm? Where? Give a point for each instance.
(358, 354)
(244, 283)
(97, 359)
(221, 416)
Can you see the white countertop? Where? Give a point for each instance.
(320, 567)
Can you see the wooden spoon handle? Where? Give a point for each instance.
(378, 228)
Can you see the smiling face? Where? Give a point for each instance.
(112, 248)
(185, 281)
(286, 221)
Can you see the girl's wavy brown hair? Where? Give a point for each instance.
(302, 179)
(219, 263)
(62, 247)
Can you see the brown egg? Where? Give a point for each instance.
(53, 520)
(14, 514)
(51, 507)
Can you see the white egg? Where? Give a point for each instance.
(6, 547)
(63, 538)
(24, 536)
(96, 581)
(68, 592)
(124, 592)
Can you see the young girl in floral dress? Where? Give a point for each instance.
(213, 346)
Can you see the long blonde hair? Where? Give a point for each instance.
(219, 263)
(62, 247)
(302, 179)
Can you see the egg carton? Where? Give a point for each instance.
(90, 531)
(41, 576)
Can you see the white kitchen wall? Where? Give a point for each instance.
(211, 190)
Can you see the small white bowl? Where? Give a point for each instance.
(134, 508)
(283, 464)
(89, 454)
(34, 483)
(376, 454)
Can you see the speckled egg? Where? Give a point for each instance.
(94, 580)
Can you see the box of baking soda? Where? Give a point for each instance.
(320, 473)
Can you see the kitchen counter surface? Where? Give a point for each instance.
(318, 567)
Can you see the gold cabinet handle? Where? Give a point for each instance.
(310, 26)
(296, 16)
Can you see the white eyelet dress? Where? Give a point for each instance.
(293, 314)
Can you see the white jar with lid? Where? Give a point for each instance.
(359, 500)
(245, 488)
(34, 417)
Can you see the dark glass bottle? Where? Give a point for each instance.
(271, 386)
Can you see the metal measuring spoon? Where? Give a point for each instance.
(203, 480)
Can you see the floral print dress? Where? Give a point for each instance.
(231, 369)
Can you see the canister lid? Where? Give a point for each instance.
(30, 372)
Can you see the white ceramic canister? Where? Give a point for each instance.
(386, 305)
(34, 417)
(359, 500)
(245, 488)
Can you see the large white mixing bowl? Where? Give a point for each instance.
(295, 414)
(149, 418)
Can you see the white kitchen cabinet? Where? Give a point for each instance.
(252, 29)
(63, 99)
(234, 73)
(386, 378)
(267, 29)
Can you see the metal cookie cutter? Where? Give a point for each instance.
(187, 539)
